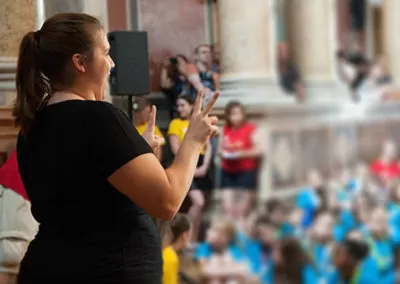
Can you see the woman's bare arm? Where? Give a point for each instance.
(161, 192)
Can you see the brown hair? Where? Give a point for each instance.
(228, 110)
(189, 99)
(293, 261)
(141, 103)
(226, 226)
(197, 49)
(179, 225)
(45, 57)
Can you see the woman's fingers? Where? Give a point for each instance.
(208, 108)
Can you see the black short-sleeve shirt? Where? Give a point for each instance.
(89, 232)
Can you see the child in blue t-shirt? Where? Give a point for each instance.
(309, 199)
(259, 250)
(220, 256)
(276, 212)
(381, 245)
(351, 267)
(321, 245)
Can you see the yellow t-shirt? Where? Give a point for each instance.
(141, 128)
(170, 266)
(179, 127)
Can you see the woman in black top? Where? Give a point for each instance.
(93, 180)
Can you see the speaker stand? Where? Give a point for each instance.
(130, 108)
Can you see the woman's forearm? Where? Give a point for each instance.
(180, 173)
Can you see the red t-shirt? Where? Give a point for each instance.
(10, 177)
(237, 139)
(386, 171)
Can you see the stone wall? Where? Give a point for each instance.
(299, 139)
(174, 27)
(17, 17)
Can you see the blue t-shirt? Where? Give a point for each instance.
(308, 201)
(382, 254)
(365, 274)
(346, 223)
(322, 259)
(259, 260)
(394, 216)
(287, 230)
(205, 251)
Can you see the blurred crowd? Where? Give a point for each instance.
(183, 76)
(341, 229)
(368, 80)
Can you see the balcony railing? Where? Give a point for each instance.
(8, 67)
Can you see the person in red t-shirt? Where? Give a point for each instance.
(239, 153)
(387, 167)
(17, 226)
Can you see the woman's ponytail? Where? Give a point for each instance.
(44, 61)
(31, 84)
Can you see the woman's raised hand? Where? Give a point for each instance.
(153, 140)
(202, 126)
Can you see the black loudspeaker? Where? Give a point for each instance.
(130, 54)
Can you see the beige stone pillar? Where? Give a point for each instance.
(97, 8)
(17, 17)
(313, 45)
(391, 12)
(248, 50)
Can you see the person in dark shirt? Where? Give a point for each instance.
(93, 181)
(289, 77)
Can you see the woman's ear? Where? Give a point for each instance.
(78, 61)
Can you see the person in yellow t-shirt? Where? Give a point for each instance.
(201, 182)
(143, 108)
(180, 230)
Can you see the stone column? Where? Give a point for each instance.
(391, 12)
(313, 45)
(17, 17)
(248, 49)
(97, 8)
(53, 7)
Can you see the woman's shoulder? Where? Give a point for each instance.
(176, 120)
(83, 108)
(179, 121)
(191, 69)
(170, 255)
(250, 126)
(87, 116)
